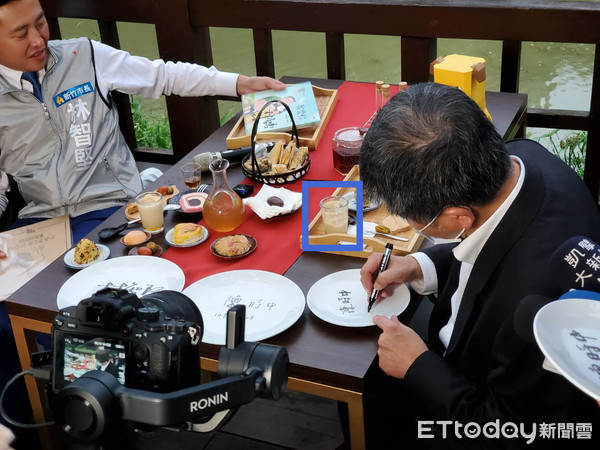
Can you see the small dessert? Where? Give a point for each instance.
(165, 190)
(143, 250)
(86, 252)
(134, 237)
(234, 245)
(275, 201)
(186, 232)
(153, 247)
(193, 202)
(131, 209)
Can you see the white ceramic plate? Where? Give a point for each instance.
(69, 257)
(562, 330)
(351, 197)
(273, 303)
(340, 299)
(200, 240)
(138, 274)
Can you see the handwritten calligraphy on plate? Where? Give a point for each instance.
(346, 306)
(135, 288)
(251, 306)
(591, 351)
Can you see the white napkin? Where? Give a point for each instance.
(368, 229)
(291, 202)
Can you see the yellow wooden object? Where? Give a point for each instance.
(465, 72)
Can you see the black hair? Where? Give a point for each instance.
(430, 147)
(5, 2)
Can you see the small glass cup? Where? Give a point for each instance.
(150, 207)
(191, 175)
(346, 145)
(334, 211)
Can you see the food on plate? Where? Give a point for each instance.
(185, 232)
(131, 208)
(143, 250)
(274, 201)
(134, 237)
(193, 202)
(86, 252)
(153, 247)
(234, 245)
(2, 254)
(165, 190)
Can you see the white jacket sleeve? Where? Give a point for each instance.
(120, 71)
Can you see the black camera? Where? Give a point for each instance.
(146, 343)
(122, 363)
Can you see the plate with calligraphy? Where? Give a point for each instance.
(568, 333)
(340, 299)
(140, 275)
(273, 303)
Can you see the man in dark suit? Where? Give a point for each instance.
(106, 364)
(433, 158)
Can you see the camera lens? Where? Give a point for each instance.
(174, 305)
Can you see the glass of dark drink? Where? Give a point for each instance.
(191, 175)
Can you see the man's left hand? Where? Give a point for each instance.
(399, 346)
(245, 84)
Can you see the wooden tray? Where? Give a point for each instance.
(309, 136)
(317, 235)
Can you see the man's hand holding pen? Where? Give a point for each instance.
(399, 345)
(400, 269)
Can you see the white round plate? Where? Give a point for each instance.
(69, 257)
(273, 303)
(340, 299)
(562, 330)
(140, 275)
(351, 197)
(200, 240)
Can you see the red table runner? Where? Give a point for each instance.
(278, 244)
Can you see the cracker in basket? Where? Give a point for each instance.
(279, 168)
(263, 164)
(286, 155)
(299, 158)
(275, 153)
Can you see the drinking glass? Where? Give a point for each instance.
(334, 211)
(150, 207)
(191, 175)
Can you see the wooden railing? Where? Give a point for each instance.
(182, 31)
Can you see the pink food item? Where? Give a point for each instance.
(193, 202)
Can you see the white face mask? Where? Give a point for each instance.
(433, 239)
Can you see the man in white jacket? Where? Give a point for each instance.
(59, 134)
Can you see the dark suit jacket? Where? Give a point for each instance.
(112, 369)
(488, 372)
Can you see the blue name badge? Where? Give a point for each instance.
(72, 93)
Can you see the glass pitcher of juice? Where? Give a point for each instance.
(223, 209)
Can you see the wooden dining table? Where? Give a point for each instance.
(325, 359)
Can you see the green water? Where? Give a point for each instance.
(554, 75)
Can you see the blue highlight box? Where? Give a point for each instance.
(358, 247)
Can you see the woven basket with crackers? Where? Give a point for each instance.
(283, 164)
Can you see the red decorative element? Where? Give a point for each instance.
(74, 52)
